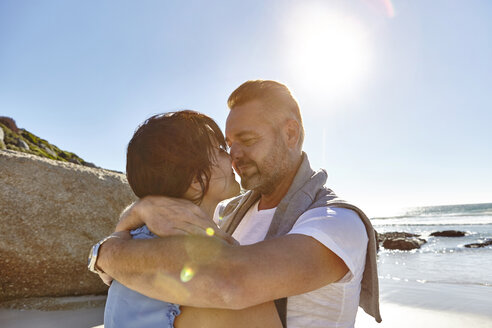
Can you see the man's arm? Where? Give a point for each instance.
(206, 272)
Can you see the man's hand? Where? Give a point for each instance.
(166, 216)
(107, 279)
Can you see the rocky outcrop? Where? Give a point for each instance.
(485, 243)
(24, 141)
(51, 212)
(448, 233)
(400, 240)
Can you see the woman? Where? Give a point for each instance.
(183, 155)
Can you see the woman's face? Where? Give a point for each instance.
(223, 184)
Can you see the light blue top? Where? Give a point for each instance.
(127, 308)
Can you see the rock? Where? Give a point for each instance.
(22, 144)
(89, 164)
(10, 123)
(48, 150)
(51, 213)
(74, 160)
(2, 136)
(404, 244)
(448, 233)
(480, 245)
(390, 236)
(394, 234)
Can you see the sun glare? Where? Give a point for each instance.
(328, 51)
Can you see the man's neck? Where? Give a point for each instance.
(273, 199)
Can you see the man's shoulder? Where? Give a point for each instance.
(332, 213)
(227, 206)
(335, 214)
(328, 200)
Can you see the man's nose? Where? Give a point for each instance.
(235, 151)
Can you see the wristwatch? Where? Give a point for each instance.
(91, 263)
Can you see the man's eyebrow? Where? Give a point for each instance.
(243, 134)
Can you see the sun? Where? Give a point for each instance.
(328, 51)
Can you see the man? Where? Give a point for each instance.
(297, 239)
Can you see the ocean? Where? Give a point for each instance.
(442, 274)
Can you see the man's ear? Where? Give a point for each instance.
(292, 131)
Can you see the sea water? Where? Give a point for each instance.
(443, 273)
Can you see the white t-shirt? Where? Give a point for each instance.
(342, 231)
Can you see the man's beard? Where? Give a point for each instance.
(269, 172)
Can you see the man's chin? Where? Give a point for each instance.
(250, 183)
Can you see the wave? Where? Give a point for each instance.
(471, 210)
(437, 221)
(446, 282)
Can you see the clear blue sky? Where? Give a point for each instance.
(395, 95)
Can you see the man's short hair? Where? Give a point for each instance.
(276, 96)
(169, 150)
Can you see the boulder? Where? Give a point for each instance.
(448, 233)
(485, 243)
(48, 150)
(51, 212)
(394, 234)
(404, 244)
(2, 136)
(22, 144)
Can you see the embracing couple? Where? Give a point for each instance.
(193, 252)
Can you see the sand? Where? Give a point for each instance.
(402, 305)
(401, 316)
(394, 315)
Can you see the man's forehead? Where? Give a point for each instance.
(241, 125)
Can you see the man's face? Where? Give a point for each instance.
(258, 151)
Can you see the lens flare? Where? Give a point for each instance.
(210, 231)
(328, 51)
(186, 274)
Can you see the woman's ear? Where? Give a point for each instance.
(194, 190)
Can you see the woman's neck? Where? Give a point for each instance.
(208, 206)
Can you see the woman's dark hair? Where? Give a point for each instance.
(169, 150)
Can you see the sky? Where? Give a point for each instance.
(396, 96)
